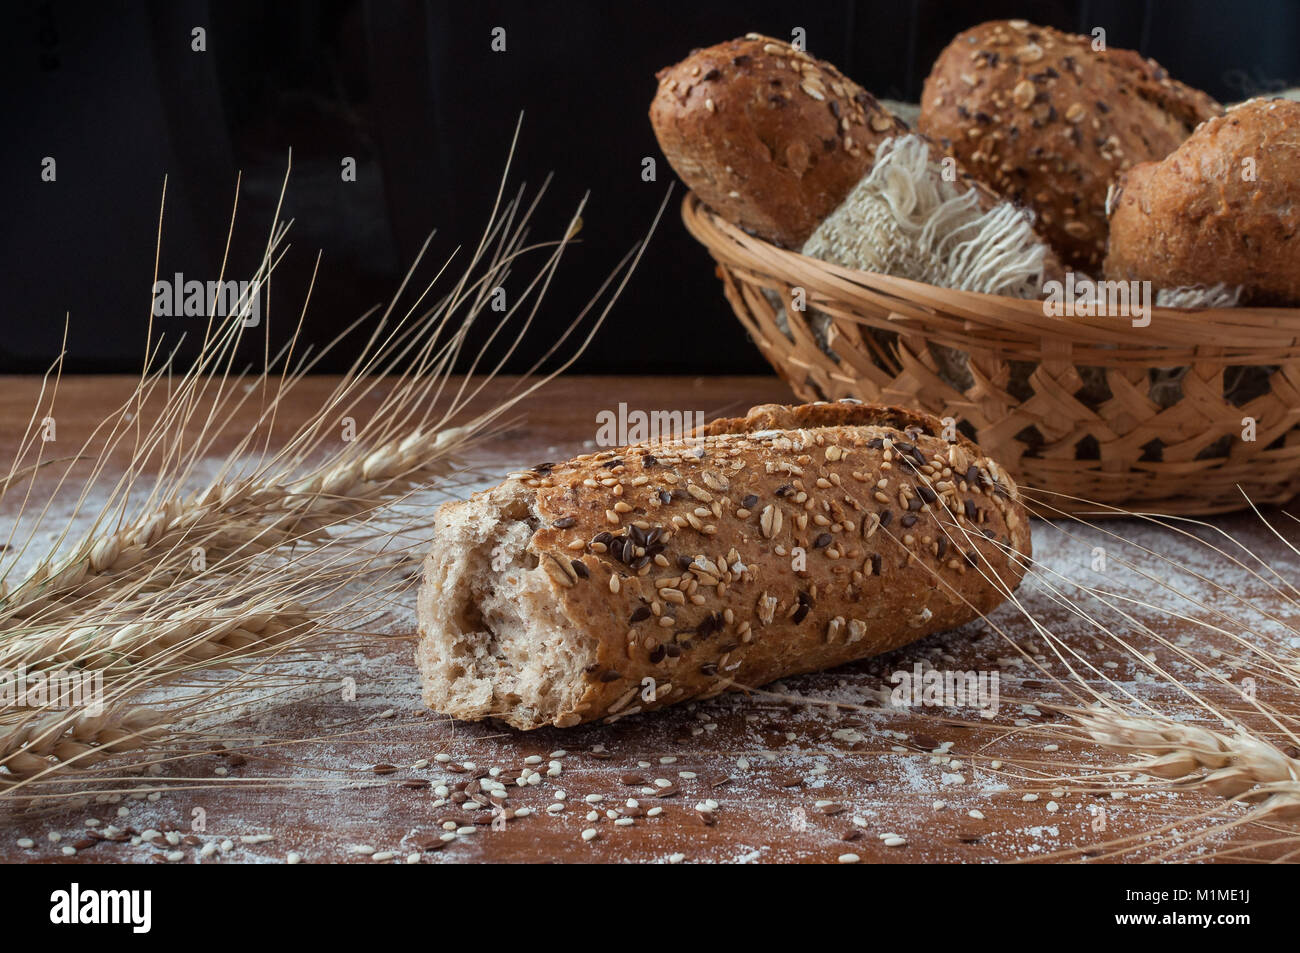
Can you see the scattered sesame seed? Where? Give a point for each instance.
(590, 834)
(848, 858)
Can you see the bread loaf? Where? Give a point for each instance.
(1222, 209)
(790, 540)
(766, 135)
(1047, 120)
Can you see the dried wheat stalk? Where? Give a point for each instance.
(183, 637)
(1239, 765)
(54, 740)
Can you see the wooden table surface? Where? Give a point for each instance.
(810, 770)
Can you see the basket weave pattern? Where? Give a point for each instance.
(1067, 404)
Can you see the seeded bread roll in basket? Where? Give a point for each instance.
(790, 540)
(1046, 119)
(769, 137)
(1222, 210)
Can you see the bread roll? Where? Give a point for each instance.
(1045, 119)
(766, 135)
(794, 539)
(1223, 209)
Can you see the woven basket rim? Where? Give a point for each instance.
(1231, 334)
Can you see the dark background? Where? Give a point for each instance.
(413, 91)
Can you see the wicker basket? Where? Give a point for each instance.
(1068, 404)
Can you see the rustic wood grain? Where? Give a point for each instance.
(789, 778)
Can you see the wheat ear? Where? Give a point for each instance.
(185, 636)
(54, 740)
(1237, 765)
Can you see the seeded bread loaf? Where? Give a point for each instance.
(1045, 119)
(769, 137)
(1222, 209)
(790, 540)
